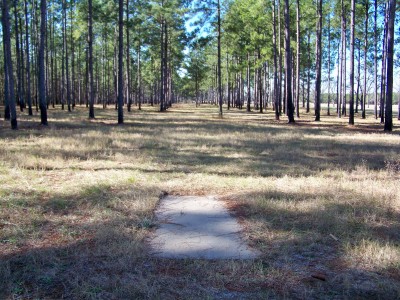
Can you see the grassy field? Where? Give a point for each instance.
(321, 201)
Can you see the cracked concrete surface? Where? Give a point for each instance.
(198, 228)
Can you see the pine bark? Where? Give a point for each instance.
(128, 79)
(28, 65)
(248, 83)
(120, 62)
(259, 83)
(42, 82)
(19, 98)
(288, 66)
(308, 73)
(219, 59)
(9, 87)
(365, 58)
(276, 95)
(90, 61)
(389, 66)
(352, 25)
(318, 63)
(329, 66)
(298, 60)
(376, 58)
(65, 46)
(282, 106)
(384, 67)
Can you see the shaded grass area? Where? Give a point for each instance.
(319, 200)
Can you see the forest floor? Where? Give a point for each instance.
(319, 201)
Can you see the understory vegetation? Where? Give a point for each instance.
(320, 201)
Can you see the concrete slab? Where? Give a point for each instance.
(198, 228)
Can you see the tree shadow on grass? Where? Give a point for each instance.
(101, 265)
(315, 243)
(110, 258)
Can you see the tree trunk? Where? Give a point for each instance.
(352, 25)
(344, 61)
(376, 58)
(318, 63)
(298, 60)
(288, 66)
(389, 66)
(161, 89)
(280, 62)
(165, 70)
(228, 81)
(274, 43)
(329, 66)
(128, 80)
(357, 92)
(21, 40)
(384, 67)
(120, 62)
(365, 57)
(6, 88)
(73, 93)
(53, 66)
(308, 73)
(19, 98)
(219, 59)
(90, 61)
(338, 80)
(42, 83)
(65, 47)
(139, 79)
(28, 65)
(248, 83)
(9, 87)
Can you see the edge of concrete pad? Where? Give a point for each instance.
(181, 234)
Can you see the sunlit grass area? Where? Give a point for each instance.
(320, 201)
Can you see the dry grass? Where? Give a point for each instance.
(319, 200)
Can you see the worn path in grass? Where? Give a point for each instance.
(198, 228)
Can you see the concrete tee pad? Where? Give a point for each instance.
(198, 228)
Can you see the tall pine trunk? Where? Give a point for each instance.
(20, 98)
(318, 63)
(282, 106)
(288, 66)
(28, 65)
(329, 65)
(365, 57)
(352, 25)
(298, 60)
(308, 73)
(248, 83)
(376, 58)
(384, 67)
(389, 66)
(219, 59)
(65, 46)
(41, 79)
(120, 62)
(139, 79)
(259, 82)
(276, 93)
(90, 61)
(128, 79)
(9, 87)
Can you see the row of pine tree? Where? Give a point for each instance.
(278, 53)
